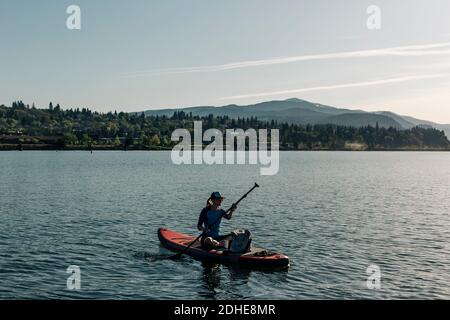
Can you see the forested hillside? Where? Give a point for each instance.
(27, 127)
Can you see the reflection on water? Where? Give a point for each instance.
(211, 280)
(230, 280)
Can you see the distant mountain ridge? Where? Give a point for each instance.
(299, 111)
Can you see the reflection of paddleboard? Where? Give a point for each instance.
(256, 257)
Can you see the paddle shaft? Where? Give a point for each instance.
(229, 209)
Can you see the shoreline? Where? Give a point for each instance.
(6, 148)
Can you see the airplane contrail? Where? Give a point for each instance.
(338, 86)
(412, 50)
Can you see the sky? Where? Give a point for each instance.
(148, 54)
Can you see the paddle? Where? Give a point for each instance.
(178, 255)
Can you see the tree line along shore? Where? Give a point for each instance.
(25, 127)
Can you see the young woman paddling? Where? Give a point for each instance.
(209, 222)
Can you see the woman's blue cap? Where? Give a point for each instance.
(216, 195)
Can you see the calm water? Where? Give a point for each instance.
(332, 213)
